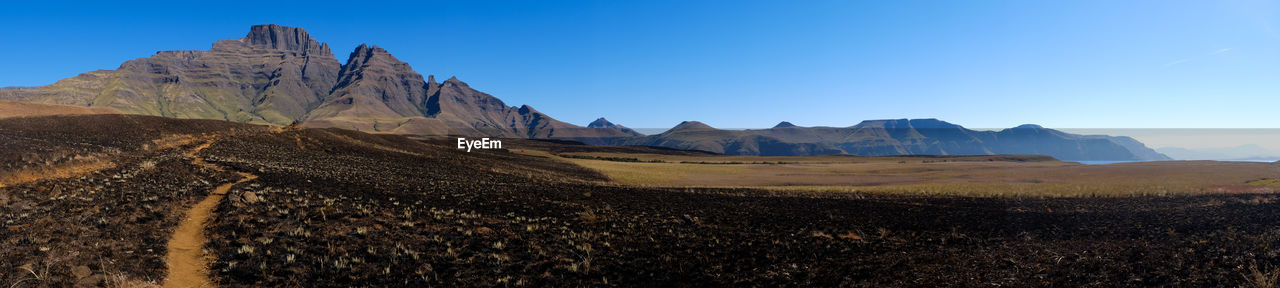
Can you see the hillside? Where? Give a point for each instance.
(281, 75)
(899, 137)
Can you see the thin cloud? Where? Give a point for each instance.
(1181, 61)
(1171, 64)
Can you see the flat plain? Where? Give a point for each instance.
(959, 175)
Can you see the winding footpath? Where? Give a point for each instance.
(186, 258)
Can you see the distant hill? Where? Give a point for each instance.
(1243, 152)
(899, 137)
(281, 75)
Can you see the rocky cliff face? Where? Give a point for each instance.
(374, 92)
(281, 75)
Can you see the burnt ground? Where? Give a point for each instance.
(337, 208)
(104, 226)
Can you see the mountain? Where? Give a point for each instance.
(899, 137)
(281, 75)
(1243, 152)
(602, 123)
(688, 126)
(599, 132)
(275, 74)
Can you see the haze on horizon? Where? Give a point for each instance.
(1086, 64)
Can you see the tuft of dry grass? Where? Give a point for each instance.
(588, 216)
(147, 164)
(121, 280)
(172, 141)
(1261, 277)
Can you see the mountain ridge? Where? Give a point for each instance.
(888, 137)
(281, 75)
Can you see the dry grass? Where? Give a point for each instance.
(1265, 182)
(78, 167)
(1262, 278)
(1010, 189)
(20, 109)
(124, 281)
(661, 174)
(372, 145)
(172, 141)
(968, 176)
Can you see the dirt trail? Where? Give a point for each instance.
(186, 258)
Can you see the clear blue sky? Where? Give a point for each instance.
(740, 64)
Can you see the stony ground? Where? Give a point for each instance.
(333, 208)
(106, 224)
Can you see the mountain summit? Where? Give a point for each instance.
(690, 126)
(286, 39)
(602, 123)
(280, 75)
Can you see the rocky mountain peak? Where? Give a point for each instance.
(285, 38)
(372, 55)
(600, 123)
(366, 51)
(784, 124)
(605, 124)
(453, 81)
(524, 109)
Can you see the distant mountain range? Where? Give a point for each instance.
(280, 75)
(899, 137)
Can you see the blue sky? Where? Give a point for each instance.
(742, 64)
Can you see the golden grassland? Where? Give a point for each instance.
(77, 167)
(964, 175)
(21, 109)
